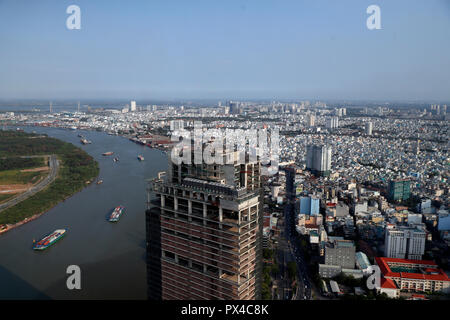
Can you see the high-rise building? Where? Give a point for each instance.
(404, 243)
(310, 206)
(133, 105)
(368, 128)
(176, 125)
(310, 119)
(204, 231)
(340, 112)
(399, 189)
(318, 159)
(235, 108)
(332, 123)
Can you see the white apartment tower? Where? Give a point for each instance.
(332, 123)
(405, 243)
(368, 128)
(310, 120)
(133, 106)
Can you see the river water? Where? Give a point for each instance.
(111, 255)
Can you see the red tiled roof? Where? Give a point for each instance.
(386, 270)
(388, 284)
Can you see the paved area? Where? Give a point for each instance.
(54, 167)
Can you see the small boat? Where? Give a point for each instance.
(99, 181)
(108, 153)
(85, 141)
(140, 157)
(47, 241)
(115, 215)
(116, 159)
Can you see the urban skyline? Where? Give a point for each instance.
(225, 150)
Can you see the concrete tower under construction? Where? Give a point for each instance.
(204, 231)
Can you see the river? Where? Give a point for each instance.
(111, 255)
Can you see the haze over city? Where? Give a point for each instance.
(239, 152)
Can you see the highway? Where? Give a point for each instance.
(54, 167)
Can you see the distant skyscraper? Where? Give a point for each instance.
(133, 106)
(405, 243)
(318, 159)
(340, 112)
(234, 108)
(176, 125)
(417, 149)
(311, 120)
(332, 123)
(368, 127)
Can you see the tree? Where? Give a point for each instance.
(292, 269)
(267, 254)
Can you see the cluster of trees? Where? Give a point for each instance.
(349, 280)
(16, 143)
(266, 286)
(269, 271)
(77, 167)
(12, 163)
(370, 296)
(292, 269)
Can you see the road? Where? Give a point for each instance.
(304, 283)
(54, 167)
(284, 256)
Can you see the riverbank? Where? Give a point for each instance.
(77, 167)
(103, 250)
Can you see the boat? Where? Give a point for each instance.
(107, 153)
(116, 159)
(141, 158)
(85, 141)
(99, 181)
(115, 215)
(47, 241)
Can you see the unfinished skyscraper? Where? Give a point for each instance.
(204, 231)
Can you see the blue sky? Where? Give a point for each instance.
(312, 49)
